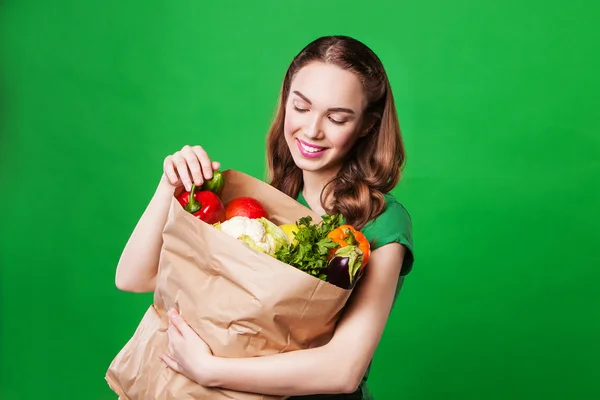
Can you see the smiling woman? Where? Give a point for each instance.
(335, 146)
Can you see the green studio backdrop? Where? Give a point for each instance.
(498, 104)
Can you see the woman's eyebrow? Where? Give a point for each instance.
(334, 109)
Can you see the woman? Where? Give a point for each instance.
(335, 146)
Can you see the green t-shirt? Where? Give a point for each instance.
(393, 225)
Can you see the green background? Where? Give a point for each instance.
(498, 103)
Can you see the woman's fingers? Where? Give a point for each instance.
(193, 163)
(207, 168)
(190, 164)
(169, 169)
(182, 170)
(170, 362)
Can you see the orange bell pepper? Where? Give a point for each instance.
(346, 235)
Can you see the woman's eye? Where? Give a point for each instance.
(300, 109)
(335, 121)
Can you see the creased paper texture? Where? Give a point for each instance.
(241, 302)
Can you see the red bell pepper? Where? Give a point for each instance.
(204, 204)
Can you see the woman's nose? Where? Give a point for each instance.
(314, 129)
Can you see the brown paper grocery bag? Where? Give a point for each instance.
(242, 303)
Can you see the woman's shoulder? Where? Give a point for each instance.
(393, 225)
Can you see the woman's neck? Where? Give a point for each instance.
(313, 186)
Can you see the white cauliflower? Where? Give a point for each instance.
(257, 233)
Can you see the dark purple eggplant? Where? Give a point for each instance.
(344, 268)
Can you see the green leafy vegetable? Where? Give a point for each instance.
(311, 248)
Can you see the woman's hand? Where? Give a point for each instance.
(188, 354)
(190, 164)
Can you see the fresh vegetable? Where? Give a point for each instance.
(346, 267)
(290, 230)
(204, 204)
(245, 207)
(257, 233)
(215, 184)
(310, 252)
(346, 235)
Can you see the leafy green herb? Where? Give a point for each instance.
(311, 249)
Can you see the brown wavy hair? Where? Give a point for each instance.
(373, 165)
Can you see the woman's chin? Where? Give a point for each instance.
(307, 164)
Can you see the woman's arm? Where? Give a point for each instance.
(138, 265)
(336, 367)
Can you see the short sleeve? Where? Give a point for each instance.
(394, 225)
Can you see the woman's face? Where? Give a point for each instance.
(324, 116)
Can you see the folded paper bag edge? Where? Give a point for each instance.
(272, 198)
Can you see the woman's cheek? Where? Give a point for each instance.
(286, 126)
(290, 125)
(342, 138)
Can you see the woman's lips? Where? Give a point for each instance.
(309, 150)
